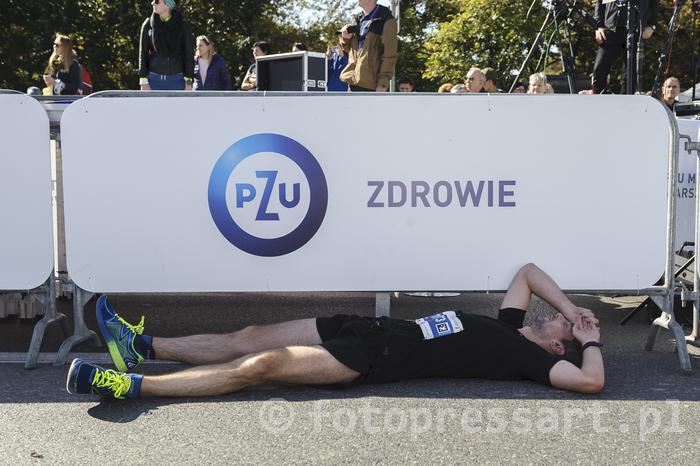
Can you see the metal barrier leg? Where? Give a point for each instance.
(382, 307)
(681, 346)
(80, 331)
(60, 233)
(51, 314)
(666, 320)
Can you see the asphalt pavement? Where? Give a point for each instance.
(647, 414)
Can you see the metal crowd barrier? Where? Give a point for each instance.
(662, 295)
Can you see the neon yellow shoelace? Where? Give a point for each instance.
(138, 328)
(109, 378)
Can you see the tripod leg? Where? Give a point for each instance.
(635, 311)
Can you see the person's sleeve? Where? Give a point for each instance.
(599, 14)
(225, 76)
(512, 316)
(188, 42)
(534, 363)
(74, 80)
(143, 51)
(390, 41)
(653, 15)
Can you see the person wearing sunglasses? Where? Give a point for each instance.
(62, 75)
(561, 351)
(210, 71)
(165, 60)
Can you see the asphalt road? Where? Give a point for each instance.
(648, 412)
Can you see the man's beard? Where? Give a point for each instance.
(537, 324)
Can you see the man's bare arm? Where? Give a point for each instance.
(530, 280)
(591, 377)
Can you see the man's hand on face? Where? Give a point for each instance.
(586, 332)
(581, 315)
(647, 32)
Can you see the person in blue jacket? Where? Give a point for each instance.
(210, 71)
(337, 60)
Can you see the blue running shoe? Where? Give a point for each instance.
(86, 378)
(119, 336)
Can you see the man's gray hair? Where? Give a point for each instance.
(478, 72)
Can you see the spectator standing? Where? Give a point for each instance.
(165, 51)
(250, 80)
(611, 35)
(491, 81)
(62, 75)
(405, 85)
(372, 46)
(337, 60)
(210, 71)
(475, 80)
(299, 47)
(670, 91)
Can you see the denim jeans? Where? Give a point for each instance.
(166, 82)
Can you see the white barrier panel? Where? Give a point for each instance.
(26, 241)
(685, 191)
(374, 192)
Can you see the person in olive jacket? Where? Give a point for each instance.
(165, 52)
(372, 48)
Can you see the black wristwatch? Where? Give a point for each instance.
(591, 343)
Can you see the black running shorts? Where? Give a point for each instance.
(355, 341)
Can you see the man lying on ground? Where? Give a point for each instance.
(347, 350)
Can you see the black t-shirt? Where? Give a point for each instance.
(487, 348)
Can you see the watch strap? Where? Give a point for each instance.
(591, 343)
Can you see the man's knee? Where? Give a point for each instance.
(246, 332)
(260, 367)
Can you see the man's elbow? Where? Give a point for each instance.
(529, 267)
(593, 386)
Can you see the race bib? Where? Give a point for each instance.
(439, 325)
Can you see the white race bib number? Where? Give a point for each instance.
(440, 325)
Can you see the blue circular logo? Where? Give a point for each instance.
(218, 182)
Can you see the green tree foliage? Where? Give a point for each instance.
(418, 22)
(497, 34)
(106, 34)
(439, 39)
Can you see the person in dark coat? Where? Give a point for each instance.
(165, 60)
(210, 71)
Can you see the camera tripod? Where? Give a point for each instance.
(559, 14)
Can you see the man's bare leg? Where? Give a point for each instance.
(221, 348)
(290, 365)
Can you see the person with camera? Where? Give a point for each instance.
(372, 47)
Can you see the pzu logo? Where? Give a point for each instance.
(255, 210)
(246, 192)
